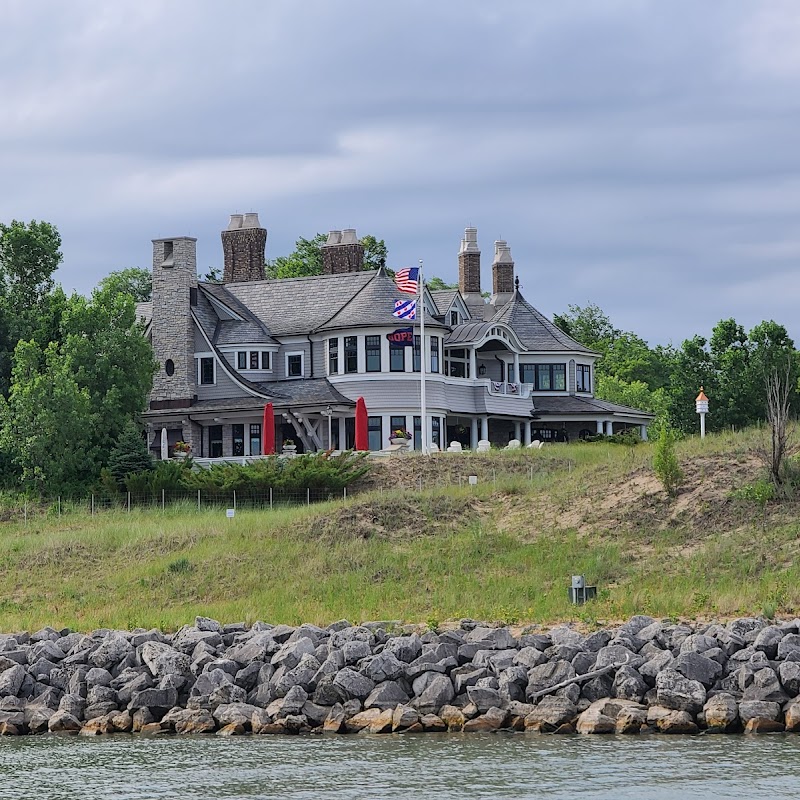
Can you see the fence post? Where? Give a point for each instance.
(26, 512)
(270, 498)
(163, 499)
(344, 493)
(234, 499)
(198, 499)
(93, 505)
(59, 506)
(308, 495)
(129, 502)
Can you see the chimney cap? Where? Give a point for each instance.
(235, 222)
(349, 236)
(334, 237)
(251, 220)
(502, 254)
(469, 244)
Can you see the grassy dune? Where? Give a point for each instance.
(503, 550)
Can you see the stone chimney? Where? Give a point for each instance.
(342, 252)
(502, 274)
(469, 272)
(244, 242)
(174, 293)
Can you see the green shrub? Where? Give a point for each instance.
(665, 462)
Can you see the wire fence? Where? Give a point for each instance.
(178, 499)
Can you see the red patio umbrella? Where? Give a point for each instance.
(268, 431)
(362, 429)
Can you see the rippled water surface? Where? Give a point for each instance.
(463, 766)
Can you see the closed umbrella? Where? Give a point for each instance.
(268, 434)
(362, 425)
(164, 445)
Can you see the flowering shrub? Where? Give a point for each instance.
(182, 447)
(401, 433)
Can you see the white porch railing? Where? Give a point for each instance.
(503, 388)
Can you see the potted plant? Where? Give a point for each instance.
(181, 450)
(289, 446)
(400, 436)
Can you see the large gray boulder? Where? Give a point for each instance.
(290, 654)
(351, 684)
(383, 667)
(491, 638)
(484, 698)
(163, 660)
(676, 692)
(388, 694)
(617, 655)
(112, 650)
(550, 714)
(404, 648)
(437, 693)
(766, 687)
(546, 675)
(629, 685)
(697, 667)
(11, 680)
(789, 647)
(789, 674)
(768, 640)
(302, 675)
(759, 709)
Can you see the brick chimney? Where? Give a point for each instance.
(502, 274)
(342, 253)
(244, 242)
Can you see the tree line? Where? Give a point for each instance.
(733, 366)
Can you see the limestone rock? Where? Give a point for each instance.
(453, 717)
(551, 713)
(592, 721)
(362, 720)
(432, 724)
(232, 729)
(63, 722)
(403, 717)
(492, 720)
(630, 720)
(762, 725)
(753, 709)
(721, 712)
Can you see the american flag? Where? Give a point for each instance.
(405, 309)
(407, 279)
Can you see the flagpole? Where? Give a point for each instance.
(423, 407)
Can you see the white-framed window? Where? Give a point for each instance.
(253, 360)
(295, 364)
(454, 318)
(583, 378)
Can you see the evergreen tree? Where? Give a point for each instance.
(129, 454)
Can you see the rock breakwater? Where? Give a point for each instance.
(644, 676)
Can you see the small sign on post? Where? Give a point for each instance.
(473, 480)
(701, 404)
(230, 513)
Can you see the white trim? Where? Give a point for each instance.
(198, 360)
(302, 354)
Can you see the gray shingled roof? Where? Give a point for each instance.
(373, 305)
(308, 391)
(144, 311)
(534, 329)
(591, 406)
(443, 299)
(298, 305)
(234, 332)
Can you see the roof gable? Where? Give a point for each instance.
(534, 329)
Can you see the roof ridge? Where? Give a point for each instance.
(348, 302)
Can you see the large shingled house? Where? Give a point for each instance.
(496, 370)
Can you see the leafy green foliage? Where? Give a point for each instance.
(310, 471)
(437, 284)
(135, 281)
(47, 424)
(665, 462)
(307, 257)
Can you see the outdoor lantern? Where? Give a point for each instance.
(482, 370)
(701, 404)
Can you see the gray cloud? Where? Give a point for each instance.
(636, 154)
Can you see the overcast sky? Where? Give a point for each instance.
(644, 156)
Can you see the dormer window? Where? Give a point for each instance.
(253, 360)
(454, 318)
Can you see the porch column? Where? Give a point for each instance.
(473, 364)
(526, 432)
(609, 428)
(484, 427)
(643, 432)
(342, 443)
(600, 426)
(516, 371)
(473, 433)
(518, 431)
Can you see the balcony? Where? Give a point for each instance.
(504, 389)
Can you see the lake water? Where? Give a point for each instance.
(437, 766)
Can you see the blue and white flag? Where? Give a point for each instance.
(405, 309)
